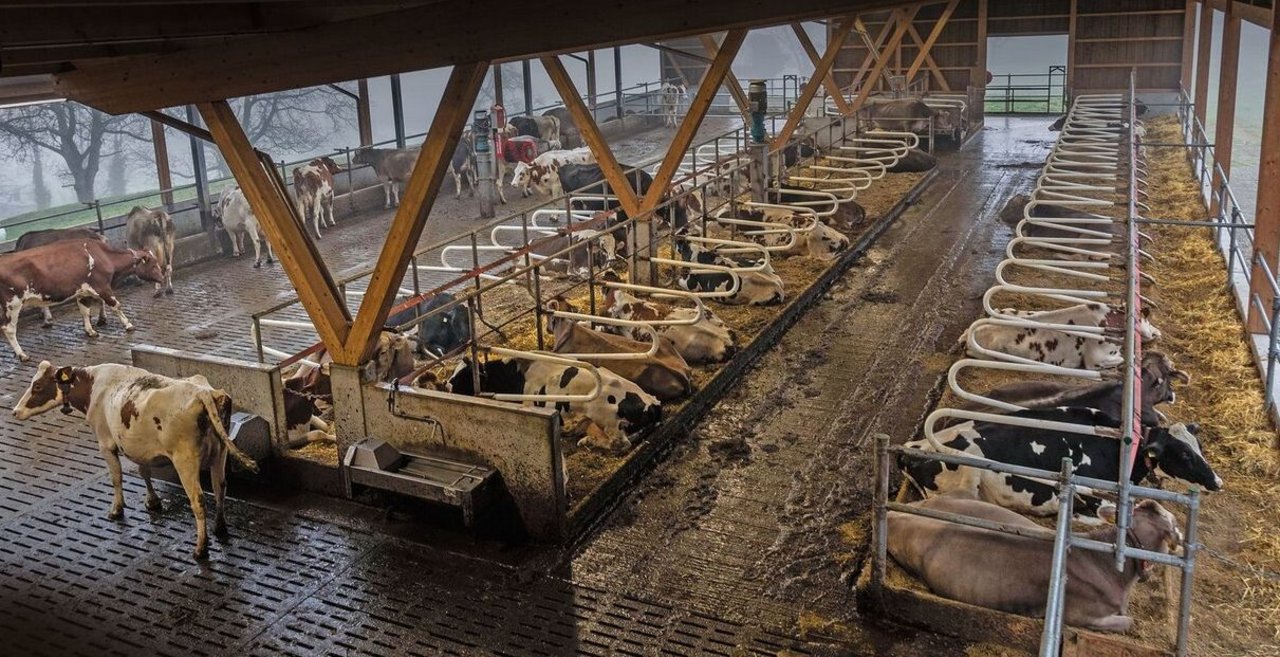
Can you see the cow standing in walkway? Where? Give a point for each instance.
(153, 230)
(86, 271)
(313, 188)
(50, 235)
(150, 419)
(233, 214)
(391, 165)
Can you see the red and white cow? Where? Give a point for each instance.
(82, 270)
(709, 340)
(150, 419)
(233, 214)
(812, 237)
(542, 174)
(313, 189)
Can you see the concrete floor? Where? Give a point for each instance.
(732, 546)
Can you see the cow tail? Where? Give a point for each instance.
(215, 421)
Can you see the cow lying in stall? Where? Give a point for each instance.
(973, 565)
(49, 236)
(812, 237)
(149, 419)
(620, 409)
(1054, 347)
(664, 375)
(233, 214)
(709, 340)
(757, 288)
(1164, 453)
(391, 166)
(1158, 375)
(910, 115)
(153, 231)
(543, 173)
(313, 189)
(1014, 212)
(439, 334)
(579, 262)
(86, 271)
(1139, 109)
(847, 216)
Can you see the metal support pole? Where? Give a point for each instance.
(528, 87)
(200, 170)
(161, 148)
(497, 85)
(1273, 349)
(1189, 549)
(1051, 639)
(481, 128)
(758, 97)
(397, 110)
(617, 80)
(880, 530)
(591, 81)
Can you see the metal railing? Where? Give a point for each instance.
(1028, 93)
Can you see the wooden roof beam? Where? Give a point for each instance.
(904, 16)
(1267, 210)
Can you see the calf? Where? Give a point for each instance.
(1165, 453)
(391, 166)
(974, 565)
(670, 96)
(153, 231)
(1054, 347)
(441, 333)
(664, 375)
(233, 214)
(847, 216)
(621, 408)
(543, 173)
(708, 340)
(82, 270)
(756, 288)
(313, 189)
(463, 165)
(49, 236)
(150, 419)
(1158, 375)
(812, 237)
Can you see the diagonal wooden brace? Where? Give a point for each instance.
(924, 56)
(828, 80)
(834, 44)
(735, 88)
(904, 18)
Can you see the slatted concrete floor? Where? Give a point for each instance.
(732, 547)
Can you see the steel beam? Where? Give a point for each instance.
(298, 254)
(397, 111)
(1225, 121)
(927, 46)
(1266, 237)
(591, 134)
(836, 41)
(363, 115)
(419, 195)
(828, 80)
(872, 45)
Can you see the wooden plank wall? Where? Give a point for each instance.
(1111, 36)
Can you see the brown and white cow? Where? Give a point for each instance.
(85, 271)
(543, 173)
(391, 165)
(709, 340)
(313, 191)
(670, 97)
(49, 236)
(812, 237)
(150, 419)
(153, 230)
(664, 375)
(545, 127)
(233, 214)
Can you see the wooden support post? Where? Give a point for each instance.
(978, 76)
(1071, 49)
(1266, 234)
(693, 118)
(1225, 122)
(591, 134)
(905, 16)
(1203, 55)
(735, 88)
(163, 177)
(1188, 46)
(278, 217)
(936, 72)
(415, 205)
(834, 43)
(923, 55)
(363, 116)
(828, 80)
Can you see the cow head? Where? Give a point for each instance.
(363, 156)
(53, 386)
(1115, 318)
(1174, 453)
(1156, 528)
(826, 242)
(1158, 375)
(392, 358)
(146, 266)
(327, 164)
(521, 177)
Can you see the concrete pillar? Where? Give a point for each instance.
(1267, 220)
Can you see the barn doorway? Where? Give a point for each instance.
(1028, 74)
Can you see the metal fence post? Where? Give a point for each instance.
(1231, 237)
(880, 530)
(1189, 549)
(1051, 639)
(1273, 350)
(97, 210)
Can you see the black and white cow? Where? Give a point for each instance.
(1164, 453)
(440, 334)
(574, 177)
(621, 408)
(1052, 346)
(756, 288)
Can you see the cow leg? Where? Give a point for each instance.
(218, 480)
(48, 315)
(457, 183)
(11, 328)
(112, 455)
(102, 313)
(257, 251)
(153, 500)
(386, 193)
(236, 236)
(502, 196)
(86, 311)
(188, 467)
(168, 273)
(327, 202)
(115, 306)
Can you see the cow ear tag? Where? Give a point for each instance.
(64, 377)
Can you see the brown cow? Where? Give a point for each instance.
(48, 236)
(81, 270)
(153, 230)
(313, 188)
(391, 165)
(665, 375)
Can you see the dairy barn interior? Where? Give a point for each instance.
(897, 353)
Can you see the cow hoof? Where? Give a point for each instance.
(257, 265)
(154, 505)
(158, 294)
(23, 358)
(169, 292)
(102, 321)
(200, 553)
(92, 334)
(116, 514)
(129, 328)
(220, 530)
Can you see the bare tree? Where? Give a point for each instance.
(39, 189)
(294, 122)
(73, 132)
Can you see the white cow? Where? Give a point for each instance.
(542, 174)
(236, 217)
(672, 96)
(150, 419)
